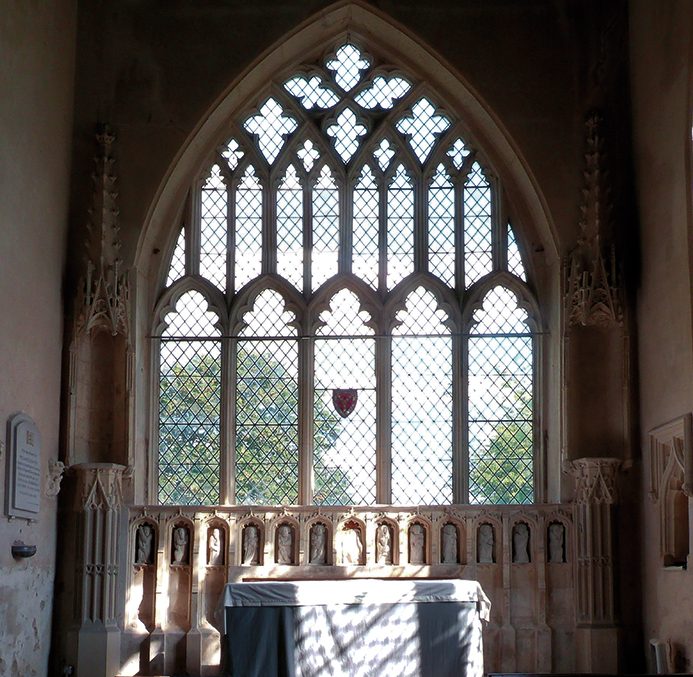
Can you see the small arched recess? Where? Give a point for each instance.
(357, 222)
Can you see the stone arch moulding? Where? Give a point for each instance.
(313, 38)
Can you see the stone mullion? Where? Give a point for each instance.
(306, 384)
(383, 403)
(307, 237)
(499, 238)
(460, 481)
(227, 422)
(382, 236)
(346, 228)
(420, 224)
(193, 234)
(231, 238)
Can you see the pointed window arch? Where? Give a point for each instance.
(367, 276)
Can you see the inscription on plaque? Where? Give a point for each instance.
(23, 477)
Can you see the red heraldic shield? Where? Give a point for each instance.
(344, 400)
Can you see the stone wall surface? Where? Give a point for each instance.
(661, 78)
(36, 69)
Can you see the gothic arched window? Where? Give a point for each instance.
(346, 317)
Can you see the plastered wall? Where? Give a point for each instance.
(36, 77)
(661, 80)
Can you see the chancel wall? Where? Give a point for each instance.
(36, 76)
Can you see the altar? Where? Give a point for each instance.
(354, 628)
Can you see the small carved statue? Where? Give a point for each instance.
(520, 543)
(352, 546)
(216, 542)
(556, 542)
(55, 476)
(250, 543)
(180, 545)
(485, 544)
(318, 544)
(449, 555)
(417, 536)
(383, 545)
(144, 539)
(285, 545)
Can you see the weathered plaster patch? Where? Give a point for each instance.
(25, 596)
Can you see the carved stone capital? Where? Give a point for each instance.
(99, 486)
(595, 480)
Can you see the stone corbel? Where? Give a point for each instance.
(56, 469)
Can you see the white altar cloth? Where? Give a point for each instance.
(354, 628)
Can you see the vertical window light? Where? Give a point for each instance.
(421, 403)
(177, 268)
(500, 402)
(478, 238)
(441, 227)
(400, 228)
(290, 228)
(324, 258)
(189, 405)
(515, 265)
(366, 225)
(344, 447)
(267, 405)
(213, 228)
(248, 229)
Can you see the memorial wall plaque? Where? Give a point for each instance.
(23, 476)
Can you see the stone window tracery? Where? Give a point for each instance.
(346, 238)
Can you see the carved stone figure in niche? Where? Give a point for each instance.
(285, 545)
(352, 546)
(383, 544)
(144, 542)
(556, 542)
(520, 543)
(250, 545)
(216, 547)
(449, 554)
(318, 544)
(417, 537)
(485, 544)
(180, 545)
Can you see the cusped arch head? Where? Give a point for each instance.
(445, 298)
(322, 300)
(168, 303)
(245, 301)
(358, 23)
(524, 298)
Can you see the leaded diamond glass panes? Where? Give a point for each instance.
(248, 240)
(515, 265)
(421, 403)
(266, 440)
(314, 219)
(312, 92)
(347, 66)
(478, 228)
(383, 92)
(344, 447)
(383, 154)
(457, 153)
(500, 410)
(271, 126)
(189, 405)
(346, 132)
(308, 154)
(213, 229)
(232, 153)
(366, 224)
(400, 228)
(290, 228)
(423, 127)
(177, 267)
(441, 227)
(324, 260)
